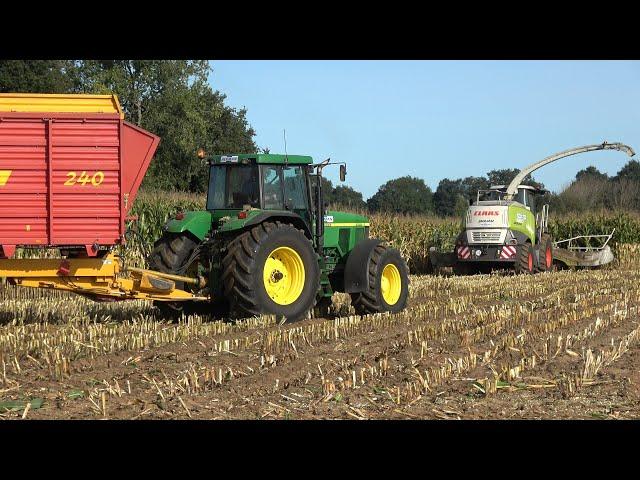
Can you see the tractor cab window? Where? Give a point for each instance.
(272, 187)
(233, 187)
(295, 188)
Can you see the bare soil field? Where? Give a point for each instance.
(561, 345)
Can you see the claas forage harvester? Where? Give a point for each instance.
(70, 168)
(507, 227)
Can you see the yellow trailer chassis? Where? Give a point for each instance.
(98, 278)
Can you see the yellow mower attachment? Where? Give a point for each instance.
(99, 278)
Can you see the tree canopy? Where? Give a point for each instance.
(506, 175)
(591, 172)
(347, 197)
(631, 171)
(37, 76)
(448, 196)
(403, 195)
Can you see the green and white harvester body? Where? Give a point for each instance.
(507, 228)
(266, 245)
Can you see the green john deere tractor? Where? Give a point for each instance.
(265, 245)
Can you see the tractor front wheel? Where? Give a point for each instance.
(525, 262)
(271, 269)
(388, 285)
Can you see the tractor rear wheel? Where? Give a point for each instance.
(525, 263)
(546, 254)
(169, 255)
(388, 286)
(271, 269)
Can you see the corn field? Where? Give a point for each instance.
(412, 235)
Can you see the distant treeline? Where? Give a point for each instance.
(590, 191)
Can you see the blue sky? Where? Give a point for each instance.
(436, 119)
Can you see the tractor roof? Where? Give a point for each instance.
(264, 158)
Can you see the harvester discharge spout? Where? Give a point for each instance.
(512, 189)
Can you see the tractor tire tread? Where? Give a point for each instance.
(169, 254)
(240, 269)
(368, 301)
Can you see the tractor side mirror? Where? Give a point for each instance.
(343, 172)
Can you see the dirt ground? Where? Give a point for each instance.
(562, 345)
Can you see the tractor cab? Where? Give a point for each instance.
(263, 181)
(243, 186)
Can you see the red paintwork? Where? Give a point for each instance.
(65, 268)
(38, 209)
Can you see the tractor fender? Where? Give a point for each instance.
(356, 271)
(282, 216)
(197, 223)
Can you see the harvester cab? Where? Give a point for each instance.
(507, 227)
(266, 244)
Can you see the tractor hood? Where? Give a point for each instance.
(488, 215)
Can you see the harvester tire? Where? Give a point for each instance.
(546, 254)
(388, 285)
(169, 255)
(525, 261)
(271, 269)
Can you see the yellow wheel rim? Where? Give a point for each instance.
(391, 284)
(283, 275)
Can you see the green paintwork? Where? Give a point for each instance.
(235, 223)
(265, 158)
(198, 223)
(522, 220)
(344, 231)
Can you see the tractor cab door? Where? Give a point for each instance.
(272, 191)
(296, 196)
(285, 188)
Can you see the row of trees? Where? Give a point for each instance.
(591, 190)
(171, 98)
(451, 198)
